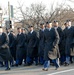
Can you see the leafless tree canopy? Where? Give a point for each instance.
(37, 13)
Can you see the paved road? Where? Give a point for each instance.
(37, 70)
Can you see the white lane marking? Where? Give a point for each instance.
(61, 72)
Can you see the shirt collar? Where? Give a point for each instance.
(8, 33)
(69, 27)
(49, 29)
(32, 31)
(43, 29)
(55, 27)
(19, 33)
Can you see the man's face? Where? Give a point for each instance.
(68, 23)
(19, 30)
(42, 26)
(22, 31)
(49, 25)
(55, 24)
(8, 30)
(31, 28)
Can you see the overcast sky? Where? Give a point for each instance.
(4, 3)
(27, 3)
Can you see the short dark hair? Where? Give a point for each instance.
(48, 22)
(55, 21)
(22, 28)
(30, 26)
(42, 23)
(18, 28)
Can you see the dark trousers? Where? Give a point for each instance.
(30, 60)
(1, 63)
(7, 63)
(63, 59)
(41, 60)
(12, 62)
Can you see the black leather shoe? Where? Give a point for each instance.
(56, 68)
(12, 65)
(36, 64)
(16, 65)
(28, 64)
(45, 69)
(66, 64)
(20, 63)
(40, 63)
(7, 69)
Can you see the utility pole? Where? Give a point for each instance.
(9, 9)
(9, 12)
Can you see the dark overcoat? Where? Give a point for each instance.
(51, 40)
(20, 45)
(41, 43)
(5, 54)
(12, 45)
(69, 37)
(32, 43)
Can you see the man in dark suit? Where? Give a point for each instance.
(41, 44)
(12, 45)
(31, 47)
(60, 32)
(5, 55)
(25, 44)
(20, 47)
(51, 41)
(68, 36)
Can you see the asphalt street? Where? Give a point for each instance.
(37, 70)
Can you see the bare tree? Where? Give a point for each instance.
(36, 13)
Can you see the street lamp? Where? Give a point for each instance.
(1, 16)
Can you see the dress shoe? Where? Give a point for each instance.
(36, 64)
(57, 68)
(71, 62)
(20, 63)
(16, 65)
(66, 64)
(40, 63)
(12, 65)
(7, 69)
(28, 64)
(45, 69)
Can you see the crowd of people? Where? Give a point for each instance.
(32, 48)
